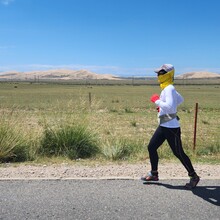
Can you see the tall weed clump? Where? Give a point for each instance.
(211, 149)
(72, 141)
(121, 149)
(12, 144)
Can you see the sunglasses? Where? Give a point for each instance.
(161, 72)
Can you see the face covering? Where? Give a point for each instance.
(166, 79)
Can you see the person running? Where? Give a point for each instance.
(169, 126)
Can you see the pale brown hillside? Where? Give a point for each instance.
(198, 75)
(57, 74)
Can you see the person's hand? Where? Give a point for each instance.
(154, 98)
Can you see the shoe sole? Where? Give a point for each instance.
(188, 186)
(147, 180)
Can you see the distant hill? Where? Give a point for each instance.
(57, 74)
(67, 74)
(198, 75)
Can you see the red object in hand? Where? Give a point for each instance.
(154, 98)
(158, 109)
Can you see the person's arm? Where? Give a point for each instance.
(169, 102)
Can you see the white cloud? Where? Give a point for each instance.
(6, 2)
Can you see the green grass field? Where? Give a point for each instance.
(120, 116)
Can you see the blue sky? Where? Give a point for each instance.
(121, 37)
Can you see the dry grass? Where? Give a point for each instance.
(115, 113)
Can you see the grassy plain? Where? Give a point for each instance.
(121, 116)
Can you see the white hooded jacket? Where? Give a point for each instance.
(168, 103)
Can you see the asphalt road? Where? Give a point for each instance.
(108, 199)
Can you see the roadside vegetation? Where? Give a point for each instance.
(40, 121)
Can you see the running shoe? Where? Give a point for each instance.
(193, 182)
(150, 177)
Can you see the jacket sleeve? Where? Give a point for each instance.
(167, 101)
(170, 100)
(179, 98)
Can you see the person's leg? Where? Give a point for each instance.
(173, 136)
(156, 141)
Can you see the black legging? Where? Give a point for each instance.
(173, 137)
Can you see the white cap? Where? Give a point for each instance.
(166, 67)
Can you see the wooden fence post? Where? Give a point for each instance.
(90, 99)
(195, 127)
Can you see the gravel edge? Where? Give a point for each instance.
(108, 171)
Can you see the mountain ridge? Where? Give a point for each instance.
(56, 74)
(198, 75)
(83, 74)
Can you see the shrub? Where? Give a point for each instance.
(120, 149)
(73, 141)
(212, 149)
(12, 144)
(134, 124)
(128, 110)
